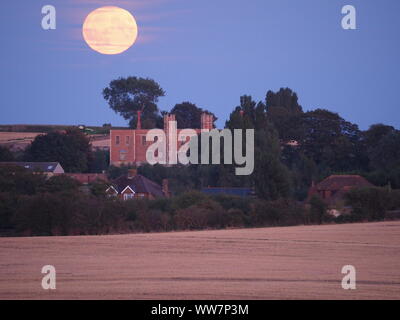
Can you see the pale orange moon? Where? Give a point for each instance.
(110, 30)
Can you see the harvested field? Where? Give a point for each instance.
(275, 263)
(13, 137)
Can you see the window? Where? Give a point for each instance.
(117, 140)
(128, 196)
(127, 140)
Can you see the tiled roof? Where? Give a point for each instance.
(35, 166)
(139, 184)
(338, 182)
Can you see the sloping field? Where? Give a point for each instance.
(274, 263)
(9, 137)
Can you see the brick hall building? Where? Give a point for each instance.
(128, 147)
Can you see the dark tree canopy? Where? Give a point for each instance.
(126, 96)
(188, 115)
(376, 132)
(331, 141)
(60, 183)
(285, 113)
(284, 98)
(386, 154)
(71, 149)
(270, 177)
(18, 180)
(6, 154)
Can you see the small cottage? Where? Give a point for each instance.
(136, 186)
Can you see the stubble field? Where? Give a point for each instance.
(272, 263)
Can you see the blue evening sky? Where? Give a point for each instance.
(209, 52)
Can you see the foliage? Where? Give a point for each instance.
(318, 209)
(60, 183)
(126, 96)
(70, 148)
(285, 113)
(386, 154)
(270, 177)
(99, 161)
(368, 204)
(332, 142)
(6, 154)
(188, 115)
(98, 188)
(16, 180)
(114, 172)
(31, 204)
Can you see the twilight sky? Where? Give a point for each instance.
(209, 52)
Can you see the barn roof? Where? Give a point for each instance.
(36, 166)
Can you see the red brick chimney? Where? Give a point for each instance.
(167, 119)
(207, 121)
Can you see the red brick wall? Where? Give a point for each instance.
(135, 151)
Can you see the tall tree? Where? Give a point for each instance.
(270, 177)
(188, 115)
(375, 133)
(284, 98)
(386, 154)
(71, 149)
(127, 96)
(330, 141)
(285, 113)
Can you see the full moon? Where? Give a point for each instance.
(110, 30)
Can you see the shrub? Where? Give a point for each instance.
(317, 211)
(207, 214)
(368, 204)
(188, 199)
(60, 183)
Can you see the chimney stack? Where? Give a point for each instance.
(167, 119)
(207, 121)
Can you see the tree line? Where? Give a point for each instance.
(293, 147)
(32, 205)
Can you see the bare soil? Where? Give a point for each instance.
(272, 263)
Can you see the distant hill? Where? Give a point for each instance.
(45, 128)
